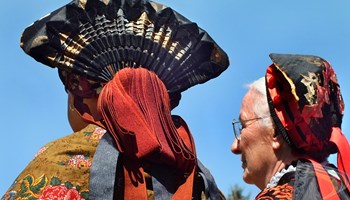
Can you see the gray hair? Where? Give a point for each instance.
(261, 107)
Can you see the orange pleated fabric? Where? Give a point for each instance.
(135, 106)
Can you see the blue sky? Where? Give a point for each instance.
(33, 100)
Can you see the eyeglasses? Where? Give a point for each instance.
(237, 125)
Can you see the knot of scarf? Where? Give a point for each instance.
(135, 106)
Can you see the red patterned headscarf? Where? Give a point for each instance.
(307, 107)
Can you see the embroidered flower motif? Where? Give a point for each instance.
(283, 191)
(30, 188)
(97, 134)
(264, 195)
(45, 188)
(79, 161)
(41, 150)
(265, 198)
(60, 192)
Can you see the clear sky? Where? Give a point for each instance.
(33, 100)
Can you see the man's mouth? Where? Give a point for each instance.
(244, 162)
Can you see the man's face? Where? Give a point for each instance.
(255, 143)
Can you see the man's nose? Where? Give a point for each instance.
(235, 147)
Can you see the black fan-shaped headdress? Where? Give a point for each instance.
(96, 38)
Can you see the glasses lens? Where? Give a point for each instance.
(237, 127)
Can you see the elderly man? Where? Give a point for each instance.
(289, 123)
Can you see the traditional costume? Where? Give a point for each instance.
(136, 57)
(307, 109)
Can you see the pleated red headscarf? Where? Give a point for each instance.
(135, 106)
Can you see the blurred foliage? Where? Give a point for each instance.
(237, 194)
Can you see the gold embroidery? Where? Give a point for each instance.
(310, 82)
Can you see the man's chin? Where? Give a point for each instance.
(246, 178)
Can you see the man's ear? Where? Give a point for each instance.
(277, 141)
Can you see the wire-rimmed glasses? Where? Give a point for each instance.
(237, 125)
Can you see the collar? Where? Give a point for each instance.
(276, 178)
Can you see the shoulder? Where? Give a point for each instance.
(308, 186)
(87, 138)
(61, 165)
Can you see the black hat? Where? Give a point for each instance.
(94, 39)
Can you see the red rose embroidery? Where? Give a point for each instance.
(60, 192)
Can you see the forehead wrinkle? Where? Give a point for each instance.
(248, 103)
